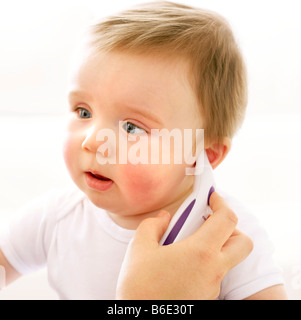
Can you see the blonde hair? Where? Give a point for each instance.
(204, 38)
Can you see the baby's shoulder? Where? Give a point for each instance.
(63, 201)
(52, 206)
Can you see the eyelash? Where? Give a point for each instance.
(126, 125)
(80, 111)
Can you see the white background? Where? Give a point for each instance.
(263, 168)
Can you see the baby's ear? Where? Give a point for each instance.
(217, 151)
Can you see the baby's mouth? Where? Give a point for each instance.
(97, 181)
(99, 177)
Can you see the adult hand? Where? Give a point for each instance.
(192, 268)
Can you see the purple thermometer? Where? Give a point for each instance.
(195, 209)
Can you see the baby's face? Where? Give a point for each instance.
(128, 95)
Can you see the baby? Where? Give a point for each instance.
(160, 66)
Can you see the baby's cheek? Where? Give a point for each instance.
(69, 154)
(67, 151)
(142, 184)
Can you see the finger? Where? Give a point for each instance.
(236, 249)
(216, 202)
(217, 230)
(151, 230)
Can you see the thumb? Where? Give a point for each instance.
(151, 230)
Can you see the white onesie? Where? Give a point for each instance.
(83, 248)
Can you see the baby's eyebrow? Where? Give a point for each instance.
(143, 111)
(76, 94)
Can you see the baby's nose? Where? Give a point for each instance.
(100, 141)
(89, 142)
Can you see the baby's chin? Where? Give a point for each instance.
(123, 209)
(101, 201)
(105, 202)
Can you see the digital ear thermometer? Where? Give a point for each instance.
(195, 209)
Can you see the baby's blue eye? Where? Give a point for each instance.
(84, 113)
(132, 128)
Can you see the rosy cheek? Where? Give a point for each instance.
(68, 152)
(141, 183)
